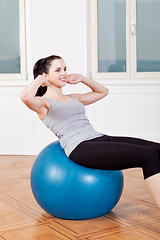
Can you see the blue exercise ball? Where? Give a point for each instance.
(68, 190)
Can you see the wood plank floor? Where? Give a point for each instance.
(135, 217)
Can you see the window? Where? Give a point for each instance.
(125, 36)
(12, 40)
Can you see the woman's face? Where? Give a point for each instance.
(57, 73)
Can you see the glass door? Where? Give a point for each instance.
(148, 36)
(112, 36)
(145, 39)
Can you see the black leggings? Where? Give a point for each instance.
(118, 153)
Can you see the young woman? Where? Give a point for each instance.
(65, 116)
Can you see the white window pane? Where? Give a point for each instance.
(9, 37)
(111, 36)
(148, 35)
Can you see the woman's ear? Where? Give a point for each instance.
(45, 75)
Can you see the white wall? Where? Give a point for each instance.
(60, 27)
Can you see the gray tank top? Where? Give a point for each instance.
(67, 120)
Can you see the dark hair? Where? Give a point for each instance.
(42, 66)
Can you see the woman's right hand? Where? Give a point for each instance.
(43, 80)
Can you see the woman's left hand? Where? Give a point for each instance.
(73, 78)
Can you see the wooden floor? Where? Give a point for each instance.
(135, 217)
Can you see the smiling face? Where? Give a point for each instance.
(57, 73)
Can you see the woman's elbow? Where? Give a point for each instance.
(25, 97)
(106, 92)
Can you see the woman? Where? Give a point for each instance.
(65, 116)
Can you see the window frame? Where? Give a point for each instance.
(5, 78)
(131, 75)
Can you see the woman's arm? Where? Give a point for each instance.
(98, 90)
(27, 96)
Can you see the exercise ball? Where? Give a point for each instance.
(68, 190)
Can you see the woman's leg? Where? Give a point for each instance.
(102, 153)
(137, 141)
(153, 184)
